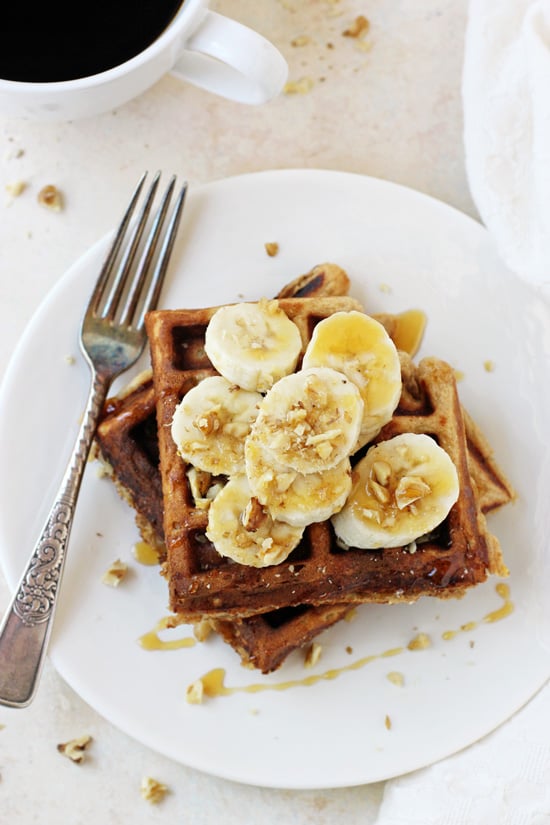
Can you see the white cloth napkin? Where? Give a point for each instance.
(505, 778)
(506, 99)
(502, 780)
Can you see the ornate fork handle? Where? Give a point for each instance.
(27, 624)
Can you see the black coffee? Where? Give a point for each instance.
(48, 41)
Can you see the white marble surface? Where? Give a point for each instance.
(387, 106)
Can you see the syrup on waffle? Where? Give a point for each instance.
(460, 554)
(127, 445)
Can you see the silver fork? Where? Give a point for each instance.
(112, 337)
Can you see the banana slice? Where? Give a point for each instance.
(253, 345)
(309, 421)
(293, 497)
(402, 489)
(241, 529)
(211, 423)
(360, 347)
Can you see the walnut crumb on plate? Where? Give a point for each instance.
(420, 642)
(116, 572)
(152, 790)
(396, 678)
(16, 188)
(50, 197)
(298, 87)
(313, 654)
(195, 692)
(358, 28)
(75, 749)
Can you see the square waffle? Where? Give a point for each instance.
(127, 445)
(460, 554)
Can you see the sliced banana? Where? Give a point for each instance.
(360, 347)
(253, 345)
(241, 529)
(309, 421)
(402, 489)
(211, 423)
(293, 497)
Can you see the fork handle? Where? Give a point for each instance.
(26, 626)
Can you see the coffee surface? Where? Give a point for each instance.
(43, 42)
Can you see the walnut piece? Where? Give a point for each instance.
(254, 516)
(271, 249)
(410, 489)
(298, 87)
(420, 642)
(51, 197)
(75, 749)
(152, 790)
(396, 678)
(195, 692)
(202, 630)
(114, 575)
(358, 28)
(313, 654)
(16, 188)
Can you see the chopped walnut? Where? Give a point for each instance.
(195, 692)
(75, 749)
(171, 621)
(396, 678)
(301, 40)
(51, 197)
(208, 423)
(116, 572)
(313, 654)
(253, 516)
(298, 87)
(16, 188)
(420, 642)
(271, 249)
(202, 630)
(358, 28)
(381, 471)
(410, 489)
(380, 492)
(152, 790)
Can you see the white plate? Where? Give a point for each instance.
(402, 250)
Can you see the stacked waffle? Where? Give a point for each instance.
(265, 612)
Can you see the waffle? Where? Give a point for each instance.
(460, 554)
(127, 445)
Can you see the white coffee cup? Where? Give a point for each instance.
(199, 45)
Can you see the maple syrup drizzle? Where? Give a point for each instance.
(409, 330)
(145, 554)
(507, 607)
(152, 640)
(214, 681)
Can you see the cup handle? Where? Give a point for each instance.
(231, 60)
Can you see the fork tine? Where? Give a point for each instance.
(123, 269)
(136, 287)
(161, 266)
(107, 266)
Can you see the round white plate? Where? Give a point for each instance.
(401, 250)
